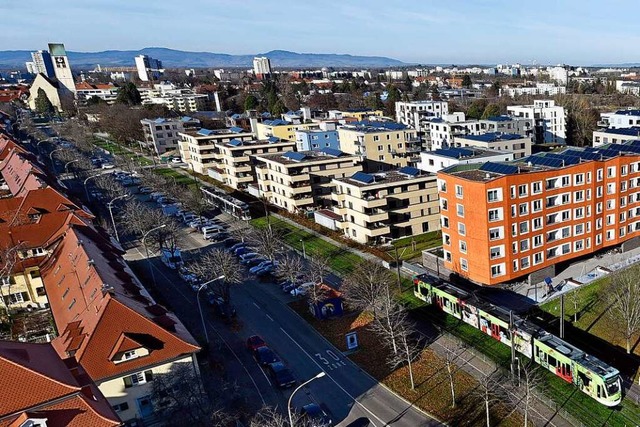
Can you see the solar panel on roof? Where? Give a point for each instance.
(332, 152)
(205, 132)
(236, 129)
(545, 161)
(273, 139)
(292, 155)
(363, 177)
(590, 155)
(609, 153)
(499, 168)
(568, 159)
(235, 142)
(408, 170)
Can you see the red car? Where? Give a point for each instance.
(255, 342)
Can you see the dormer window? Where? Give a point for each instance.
(129, 355)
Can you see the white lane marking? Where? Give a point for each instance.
(215, 330)
(259, 308)
(270, 318)
(335, 382)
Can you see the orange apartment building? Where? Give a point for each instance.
(505, 221)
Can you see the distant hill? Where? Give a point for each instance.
(180, 59)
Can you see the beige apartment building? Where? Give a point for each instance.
(302, 180)
(281, 129)
(382, 144)
(234, 165)
(388, 205)
(198, 148)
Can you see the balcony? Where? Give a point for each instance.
(301, 189)
(302, 201)
(376, 215)
(378, 229)
(373, 202)
(298, 177)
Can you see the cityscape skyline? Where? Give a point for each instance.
(481, 33)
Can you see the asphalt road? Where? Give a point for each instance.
(346, 393)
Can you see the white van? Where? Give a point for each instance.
(210, 230)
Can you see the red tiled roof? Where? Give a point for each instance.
(95, 323)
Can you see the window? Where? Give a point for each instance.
(127, 355)
(536, 187)
(536, 205)
(463, 264)
(463, 246)
(578, 229)
(566, 181)
(497, 270)
(523, 208)
(119, 407)
(524, 262)
(524, 245)
(445, 222)
(578, 213)
(462, 229)
(138, 378)
(459, 192)
(493, 195)
(524, 227)
(496, 252)
(578, 196)
(537, 241)
(537, 258)
(513, 211)
(495, 214)
(495, 233)
(515, 265)
(578, 245)
(611, 188)
(522, 190)
(444, 205)
(537, 223)
(512, 190)
(599, 175)
(578, 179)
(611, 172)
(460, 210)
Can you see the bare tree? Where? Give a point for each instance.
(138, 218)
(9, 257)
(269, 417)
(217, 263)
(107, 184)
(488, 390)
(267, 241)
(624, 300)
(290, 267)
(452, 351)
(575, 299)
(317, 268)
(367, 285)
(524, 393)
(179, 399)
(241, 230)
(192, 199)
(169, 237)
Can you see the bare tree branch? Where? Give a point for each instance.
(366, 287)
(217, 263)
(624, 299)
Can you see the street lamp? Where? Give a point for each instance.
(146, 250)
(304, 252)
(53, 166)
(113, 221)
(320, 375)
(86, 192)
(66, 165)
(206, 334)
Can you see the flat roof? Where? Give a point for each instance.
(466, 152)
(631, 131)
(362, 179)
(301, 157)
(493, 137)
(543, 161)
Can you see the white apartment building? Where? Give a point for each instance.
(549, 120)
(198, 148)
(615, 135)
(378, 207)
(106, 92)
(620, 119)
(299, 181)
(507, 124)
(443, 130)
(175, 98)
(519, 145)
(234, 163)
(42, 63)
(546, 89)
(417, 114)
(630, 87)
(261, 66)
(148, 68)
(162, 135)
(434, 161)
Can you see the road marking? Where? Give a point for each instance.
(335, 382)
(216, 331)
(259, 308)
(270, 318)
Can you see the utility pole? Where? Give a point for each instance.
(562, 316)
(513, 347)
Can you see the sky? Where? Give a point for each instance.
(576, 32)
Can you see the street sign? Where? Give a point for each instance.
(352, 340)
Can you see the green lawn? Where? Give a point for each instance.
(174, 174)
(566, 396)
(340, 260)
(411, 247)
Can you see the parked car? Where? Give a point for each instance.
(228, 243)
(187, 275)
(289, 286)
(107, 166)
(155, 195)
(145, 190)
(254, 261)
(233, 248)
(241, 251)
(262, 265)
(255, 341)
(221, 237)
(246, 257)
(172, 259)
(222, 308)
(269, 269)
(281, 375)
(302, 289)
(265, 356)
(188, 218)
(176, 160)
(315, 416)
